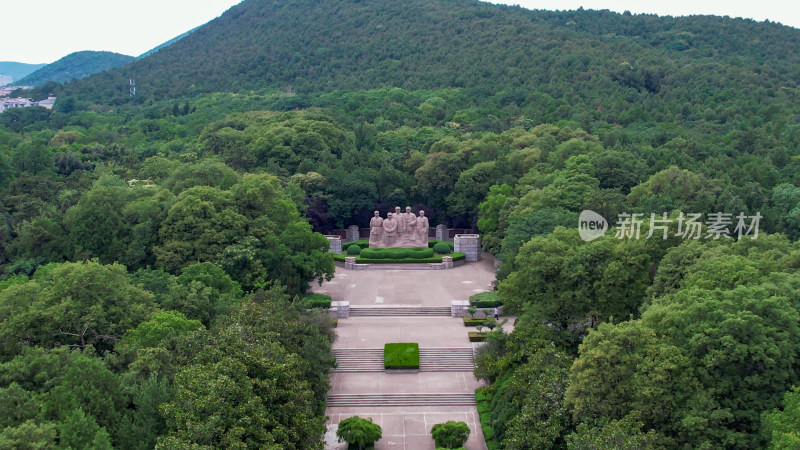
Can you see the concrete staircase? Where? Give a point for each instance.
(358, 359)
(403, 399)
(445, 359)
(389, 311)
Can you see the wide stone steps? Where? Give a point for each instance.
(444, 359)
(403, 399)
(364, 311)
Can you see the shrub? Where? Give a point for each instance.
(401, 356)
(353, 250)
(315, 301)
(359, 432)
(420, 252)
(362, 243)
(442, 248)
(373, 253)
(477, 336)
(450, 434)
(485, 300)
(473, 322)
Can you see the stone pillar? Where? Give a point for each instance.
(353, 233)
(349, 262)
(342, 309)
(447, 261)
(469, 244)
(335, 244)
(458, 308)
(441, 233)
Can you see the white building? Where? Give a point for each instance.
(9, 103)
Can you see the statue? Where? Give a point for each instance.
(376, 231)
(390, 231)
(402, 227)
(421, 230)
(411, 223)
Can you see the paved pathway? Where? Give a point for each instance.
(406, 427)
(409, 287)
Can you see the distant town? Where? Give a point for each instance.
(9, 103)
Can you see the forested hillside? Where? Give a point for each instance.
(165, 243)
(75, 66)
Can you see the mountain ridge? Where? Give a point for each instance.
(76, 65)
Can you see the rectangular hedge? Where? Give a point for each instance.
(432, 259)
(315, 301)
(468, 322)
(400, 356)
(485, 300)
(482, 401)
(475, 336)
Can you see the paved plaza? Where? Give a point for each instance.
(406, 427)
(409, 287)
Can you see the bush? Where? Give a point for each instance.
(353, 250)
(450, 434)
(432, 243)
(468, 322)
(442, 248)
(401, 356)
(475, 336)
(485, 300)
(379, 256)
(359, 432)
(315, 301)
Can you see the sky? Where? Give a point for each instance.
(43, 31)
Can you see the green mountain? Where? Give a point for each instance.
(166, 44)
(18, 70)
(596, 58)
(75, 66)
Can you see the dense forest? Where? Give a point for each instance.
(75, 66)
(164, 243)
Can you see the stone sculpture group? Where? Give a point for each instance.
(399, 229)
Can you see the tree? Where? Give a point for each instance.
(359, 432)
(71, 304)
(162, 325)
(622, 434)
(450, 434)
(782, 426)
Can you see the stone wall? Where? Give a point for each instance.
(470, 245)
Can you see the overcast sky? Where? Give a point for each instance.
(42, 31)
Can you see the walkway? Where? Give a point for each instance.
(405, 405)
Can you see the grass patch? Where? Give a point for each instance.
(469, 322)
(401, 356)
(475, 336)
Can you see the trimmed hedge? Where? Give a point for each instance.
(483, 400)
(363, 243)
(432, 243)
(468, 322)
(353, 250)
(401, 356)
(442, 248)
(485, 300)
(397, 253)
(433, 259)
(475, 336)
(315, 301)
